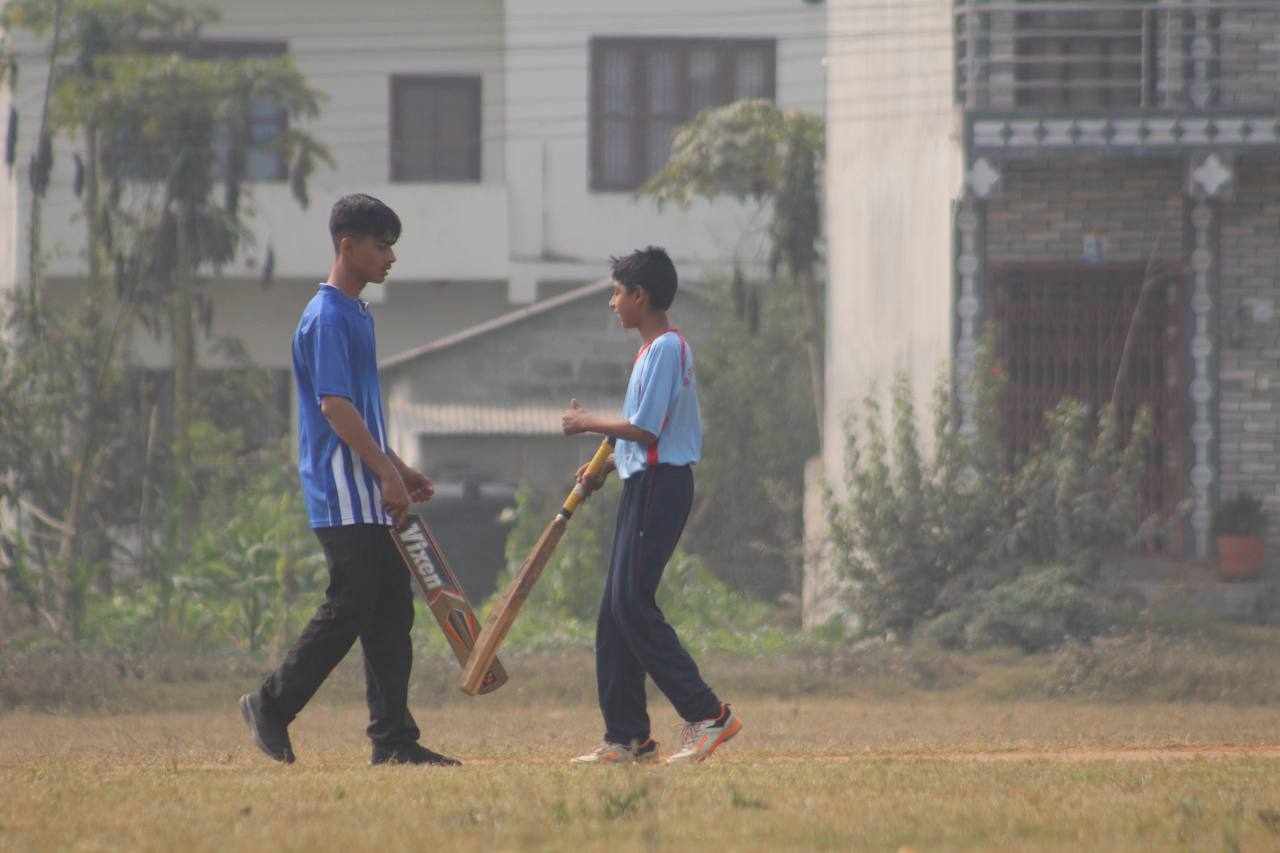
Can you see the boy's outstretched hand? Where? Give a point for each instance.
(575, 419)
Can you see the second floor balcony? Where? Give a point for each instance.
(1117, 57)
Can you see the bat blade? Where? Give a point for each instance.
(508, 607)
(426, 562)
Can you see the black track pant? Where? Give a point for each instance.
(633, 638)
(368, 597)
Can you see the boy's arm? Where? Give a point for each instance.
(577, 419)
(351, 428)
(660, 381)
(419, 485)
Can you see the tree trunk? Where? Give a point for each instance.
(84, 440)
(144, 503)
(815, 334)
(183, 392)
(182, 324)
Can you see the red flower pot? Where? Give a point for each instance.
(1240, 557)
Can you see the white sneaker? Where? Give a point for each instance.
(699, 740)
(617, 753)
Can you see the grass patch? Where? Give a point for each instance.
(1171, 658)
(810, 773)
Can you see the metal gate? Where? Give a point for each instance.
(1060, 332)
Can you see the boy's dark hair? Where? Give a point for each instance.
(361, 215)
(651, 270)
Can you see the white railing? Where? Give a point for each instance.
(1169, 55)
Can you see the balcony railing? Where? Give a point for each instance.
(1056, 56)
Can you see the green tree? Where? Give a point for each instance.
(67, 369)
(159, 132)
(754, 152)
(967, 537)
(51, 390)
(161, 129)
(251, 563)
(747, 523)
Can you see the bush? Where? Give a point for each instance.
(1039, 609)
(910, 524)
(986, 551)
(561, 611)
(748, 519)
(1243, 515)
(1155, 667)
(61, 677)
(251, 578)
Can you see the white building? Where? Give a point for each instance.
(510, 136)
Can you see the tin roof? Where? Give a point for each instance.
(485, 419)
(537, 309)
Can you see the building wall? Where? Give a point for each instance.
(1250, 47)
(577, 350)
(531, 217)
(894, 168)
(545, 461)
(349, 54)
(263, 318)
(1249, 336)
(554, 212)
(1044, 209)
(472, 522)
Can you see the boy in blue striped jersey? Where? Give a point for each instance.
(355, 489)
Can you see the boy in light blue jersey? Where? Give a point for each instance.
(659, 440)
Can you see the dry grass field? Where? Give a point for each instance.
(920, 771)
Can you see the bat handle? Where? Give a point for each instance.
(594, 467)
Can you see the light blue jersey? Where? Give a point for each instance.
(662, 398)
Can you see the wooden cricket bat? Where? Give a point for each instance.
(485, 652)
(425, 560)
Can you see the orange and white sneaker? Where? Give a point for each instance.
(699, 740)
(620, 753)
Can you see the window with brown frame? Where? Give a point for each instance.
(642, 89)
(435, 128)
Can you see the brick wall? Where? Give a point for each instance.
(1249, 346)
(1045, 207)
(1249, 51)
(1043, 212)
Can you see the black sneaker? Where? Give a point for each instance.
(414, 753)
(271, 735)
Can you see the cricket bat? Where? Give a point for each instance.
(485, 653)
(425, 560)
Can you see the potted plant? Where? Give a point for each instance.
(1238, 525)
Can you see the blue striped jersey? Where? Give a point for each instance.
(334, 354)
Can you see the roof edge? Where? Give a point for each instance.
(496, 324)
